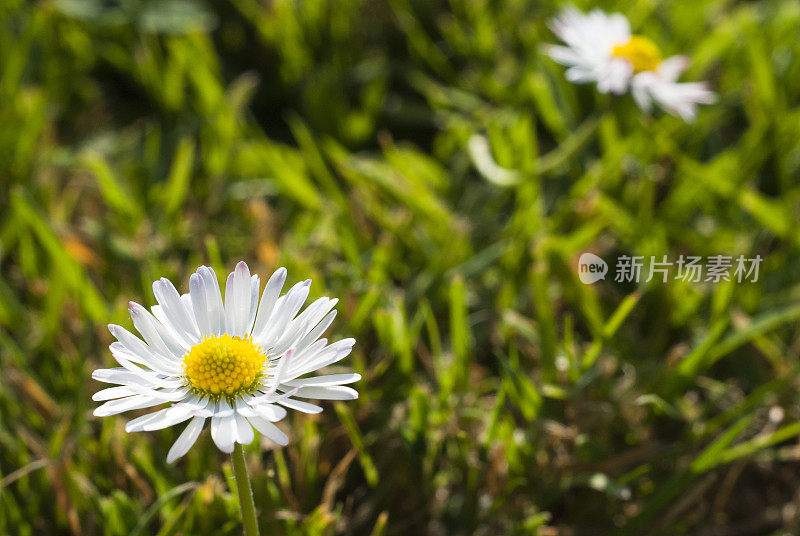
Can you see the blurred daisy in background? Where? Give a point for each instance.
(239, 363)
(600, 49)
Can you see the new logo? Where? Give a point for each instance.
(591, 268)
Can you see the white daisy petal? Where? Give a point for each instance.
(242, 293)
(289, 339)
(244, 432)
(216, 310)
(255, 283)
(147, 377)
(224, 409)
(198, 409)
(276, 374)
(174, 309)
(273, 397)
(671, 68)
(119, 405)
(170, 417)
(198, 295)
(315, 311)
(676, 98)
(166, 325)
(155, 363)
(111, 393)
(150, 377)
(284, 312)
(640, 91)
(252, 408)
(324, 381)
(117, 375)
(137, 424)
(164, 395)
(134, 344)
(222, 432)
(580, 75)
(269, 430)
(134, 380)
(271, 412)
(315, 361)
(615, 78)
(268, 300)
(562, 55)
(308, 326)
(230, 322)
(159, 419)
(186, 439)
(316, 331)
(186, 299)
(155, 334)
(337, 392)
(237, 300)
(305, 356)
(300, 405)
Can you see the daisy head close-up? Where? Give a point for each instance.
(600, 48)
(239, 363)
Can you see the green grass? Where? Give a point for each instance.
(500, 395)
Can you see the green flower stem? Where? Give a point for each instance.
(246, 503)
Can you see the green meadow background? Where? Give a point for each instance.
(425, 163)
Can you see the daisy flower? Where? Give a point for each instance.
(239, 363)
(600, 48)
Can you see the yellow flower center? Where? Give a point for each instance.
(643, 53)
(224, 365)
